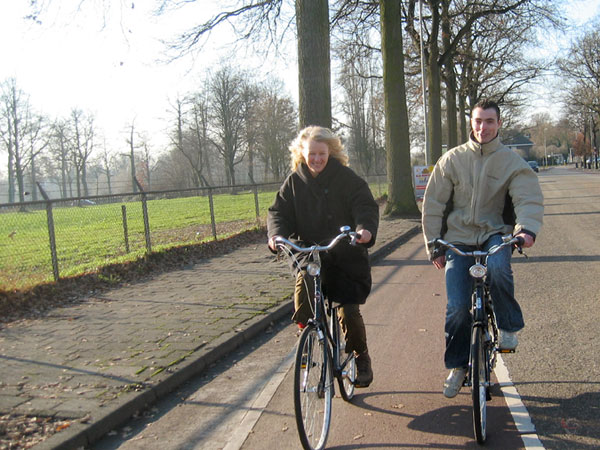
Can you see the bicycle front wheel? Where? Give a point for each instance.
(479, 384)
(313, 389)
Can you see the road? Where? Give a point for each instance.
(246, 400)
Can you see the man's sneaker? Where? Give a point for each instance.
(507, 340)
(454, 382)
(364, 376)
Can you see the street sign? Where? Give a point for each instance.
(421, 177)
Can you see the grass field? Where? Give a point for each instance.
(93, 236)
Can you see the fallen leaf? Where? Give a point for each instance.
(62, 426)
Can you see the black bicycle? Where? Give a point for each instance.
(484, 333)
(320, 354)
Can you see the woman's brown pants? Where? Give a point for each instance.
(351, 320)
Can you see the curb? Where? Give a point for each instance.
(80, 435)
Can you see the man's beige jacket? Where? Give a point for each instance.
(473, 179)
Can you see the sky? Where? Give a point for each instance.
(102, 58)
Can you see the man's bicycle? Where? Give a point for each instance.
(484, 333)
(320, 354)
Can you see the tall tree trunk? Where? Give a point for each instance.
(434, 103)
(20, 182)
(63, 169)
(34, 187)
(450, 81)
(401, 197)
(251, 164)
(11, 173)
(451, 119)
(314, 73)
(86, 192)
(462, 113)
(132, 159)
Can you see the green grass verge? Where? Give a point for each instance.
(91, 237)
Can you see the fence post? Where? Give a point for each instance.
(145, 215)
(255, 189)
(212, 213)
(51, 234)
(125, 232)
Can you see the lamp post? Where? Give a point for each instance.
(425, 126)
(545, 150)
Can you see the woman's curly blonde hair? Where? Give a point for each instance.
(318, 134)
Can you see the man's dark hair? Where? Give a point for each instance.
(488, 104)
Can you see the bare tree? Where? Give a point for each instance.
(227, 118)
(106, 165)
(16, 126)
(276, 126)
(260, 21)
(250, 98)
(59, 150)
(401, 198)
(35, 143)
(200, 144)
(361, 82)
(581, 72)
(82, 146)
(133, 145)
(463, 15)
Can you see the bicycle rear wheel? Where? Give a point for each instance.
(347, 374)
(313, 389)
(479, 384)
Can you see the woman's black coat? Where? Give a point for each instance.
(312, 210)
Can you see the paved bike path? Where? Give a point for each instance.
(404, 407)
(94, 364)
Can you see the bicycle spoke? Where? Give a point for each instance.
(479, 384)
(312, 390)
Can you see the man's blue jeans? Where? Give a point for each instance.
(459, 287)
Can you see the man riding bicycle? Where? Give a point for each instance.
(471, 195)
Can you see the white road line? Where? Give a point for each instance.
(517, 408)
(258, 406)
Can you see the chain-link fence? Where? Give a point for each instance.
(46, 240)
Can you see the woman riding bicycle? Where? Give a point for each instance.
(317, 198)
(465, 203)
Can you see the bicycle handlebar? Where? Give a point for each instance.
(345, 233)
(507, 241)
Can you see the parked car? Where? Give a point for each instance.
(534, 165)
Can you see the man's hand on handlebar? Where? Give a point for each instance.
(527, 239)
(439, 262)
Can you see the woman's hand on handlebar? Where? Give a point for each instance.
(271, 243)
(363, 236)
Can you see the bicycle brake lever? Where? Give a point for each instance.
(521, 252)
(353, 237)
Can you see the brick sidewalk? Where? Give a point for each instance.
(96, 363)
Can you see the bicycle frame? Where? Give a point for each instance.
(313, 393)
(323, 310)
(484, 347)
